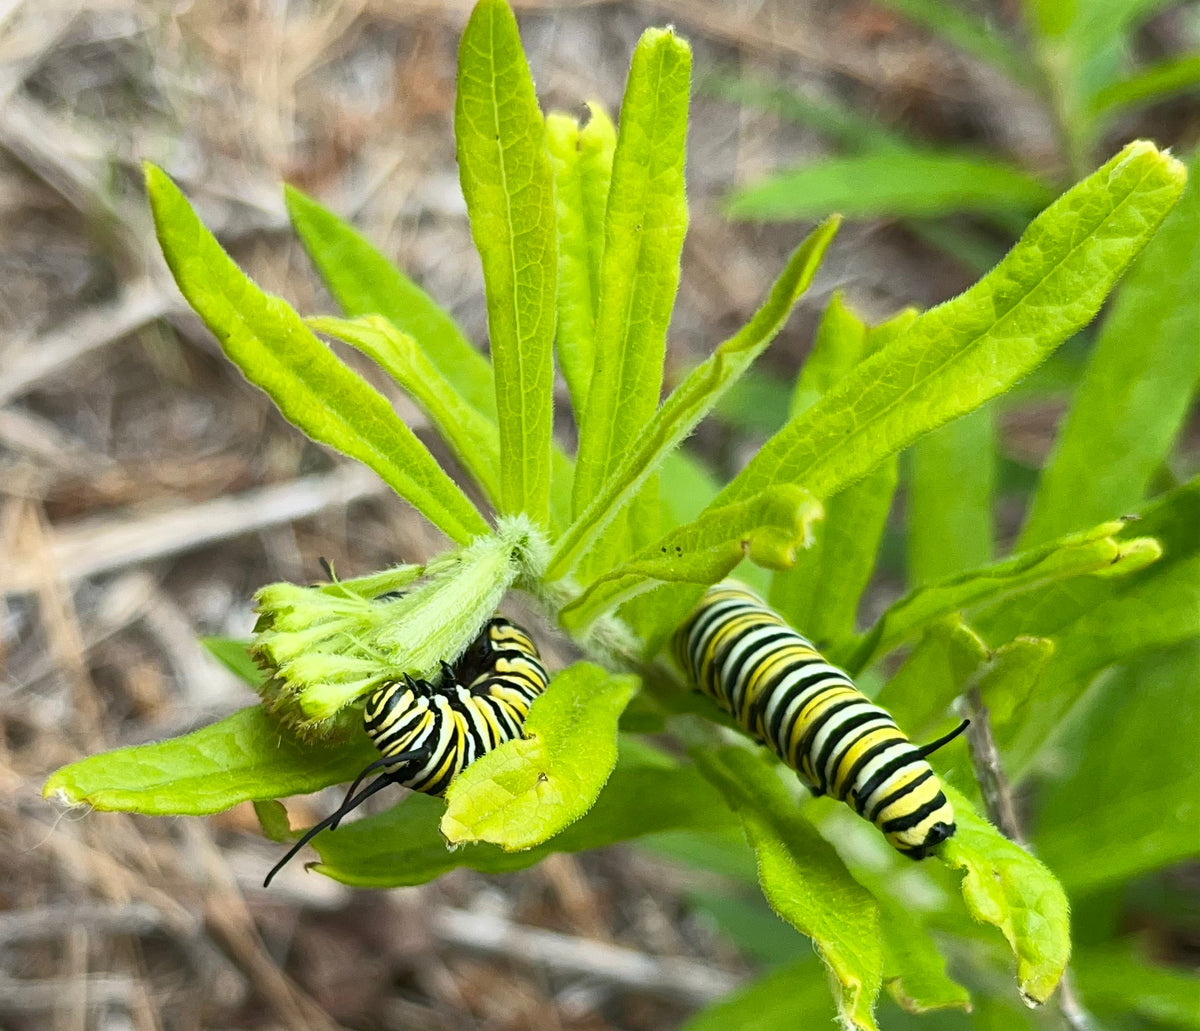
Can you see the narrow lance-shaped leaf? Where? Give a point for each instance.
(1099, 620)
(767, 529)
(1114, 814)
(269, 342)
(840, 344)
(364, 282)
(643, 235)
(956, 356)
(949, 500)
(1006, 887)
(804, 879)
(581, 157)
(820, 593)
(693, 399)
(471, 434)
(1156, 82)
(526, 791)
(509, 188)
(244, 757)
(889, 182)
(1095, 551)
(1138, 387)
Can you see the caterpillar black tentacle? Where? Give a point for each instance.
(780, 690)
(429, 733)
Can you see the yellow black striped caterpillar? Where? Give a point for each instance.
(781, 691)
(429, 733)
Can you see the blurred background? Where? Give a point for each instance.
(146, 490)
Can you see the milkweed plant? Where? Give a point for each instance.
(579, 225)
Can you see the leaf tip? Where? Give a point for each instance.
(57, 790)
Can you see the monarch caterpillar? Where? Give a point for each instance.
(428, 733)
(782, 692)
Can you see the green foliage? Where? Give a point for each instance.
(1138, 387)
(973, 347)
(804, 879)
(242, 758)
(644, 223)
(270, 344)
(526, 791)
(1005, 886)
(1075, 58)
(1079, 644)
(506, 179)
(892, 180)
(403, 846)
(582, 158)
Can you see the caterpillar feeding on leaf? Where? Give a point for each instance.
(429, 733)
(782, 692)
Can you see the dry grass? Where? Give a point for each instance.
(146, 490)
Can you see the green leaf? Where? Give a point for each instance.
(526, 791)
(509, 189)
(273, 819)
(956, 356)
(691, 401)
(804, 879)
(795, 996)
(767, 529)
(756, 405)
(374, 585)
(840, 344)
(470, 434)
(1119, 982)
(1006, 887)
(1126, 802)
(747, 921)
(1078, 554)
(1082, 48)
(403, 846)
(269, 342)
(233, 654)
(1098, 620)
(643, 235)
(1163, 79)
(1006, 685)
(890, 181)
(820, 593)
(1011, 676)
(582, 161)
(913, 969)
(245, 757)
(687, 485)
(1137, 390)
(936, 672)
(364, 282)
(949, 500)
